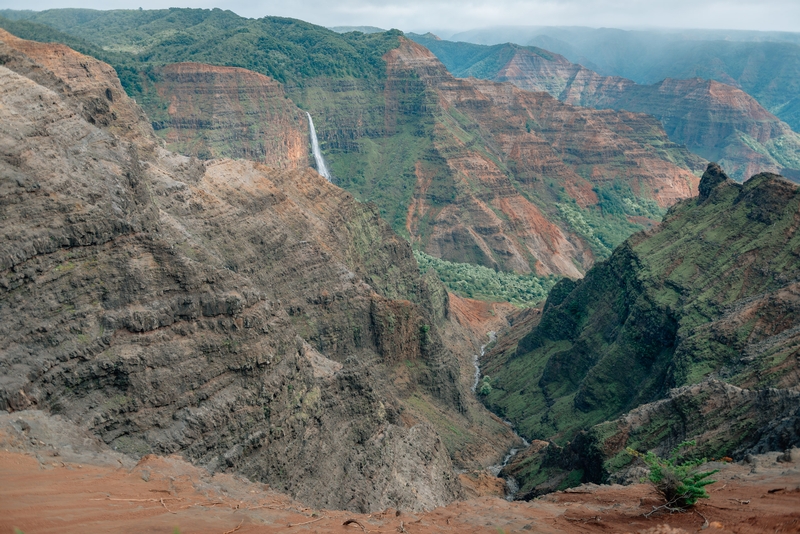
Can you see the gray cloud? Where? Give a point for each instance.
(783, 15)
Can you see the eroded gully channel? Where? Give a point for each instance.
(511, 483)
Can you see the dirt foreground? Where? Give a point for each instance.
(52, 480)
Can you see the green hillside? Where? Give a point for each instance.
(669, 309)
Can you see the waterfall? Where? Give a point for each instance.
(322, 169)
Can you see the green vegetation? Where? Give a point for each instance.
(468, 59)
(653, 317)
(476, 281)
(45, 34)
(609, 223)
(386, 152)
(486, 386)
(677, 479)
(287, 50)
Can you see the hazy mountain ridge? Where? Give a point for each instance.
(763, 64)
(714, 120)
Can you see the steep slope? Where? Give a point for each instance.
(464, 177)
(509, 174)
(702, 312)
(211, 112)
(249, 318)
(44, 459)
(715, 120)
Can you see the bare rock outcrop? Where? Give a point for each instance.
(213, 112)
(249, 318)
(511, 158)
(716, 120)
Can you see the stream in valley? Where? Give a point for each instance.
(512, 487)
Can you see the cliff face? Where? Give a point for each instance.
(249, 318)
(91, 87)
(493, 177)
(702, 312)
(210, 112)
(472, 171)
(507, 168)
(507, 150)
(715, 120)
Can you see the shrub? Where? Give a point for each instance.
(679, 481)
(479, 282)
(486, 387)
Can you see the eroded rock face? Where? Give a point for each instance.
(227, 311)
(90, 87)
(717, 121)
(503, 147)
(214, 112)
(474, 171)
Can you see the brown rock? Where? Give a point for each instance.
(511, 146)
(226, 311)
(230, 112)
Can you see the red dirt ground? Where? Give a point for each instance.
(39, 494)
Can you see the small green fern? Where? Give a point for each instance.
(678, 480)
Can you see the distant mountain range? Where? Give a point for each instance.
(715, 120)
(766, 65)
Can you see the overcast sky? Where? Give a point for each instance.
(416, 15)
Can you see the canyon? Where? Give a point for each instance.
(480, 179)
(701, 312)
(468, 171)
(715, 120)
(764, 64)
(252, 319)
(198, 330)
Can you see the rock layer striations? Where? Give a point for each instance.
(505, 170)
(715, 120)
(249, 318)
(211, 112)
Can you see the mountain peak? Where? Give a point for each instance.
(713, 176)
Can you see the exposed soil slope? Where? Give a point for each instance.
(691, 329)
(252, 319)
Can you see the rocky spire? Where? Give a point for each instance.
(713, 176)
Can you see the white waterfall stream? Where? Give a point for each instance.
(322, 169)
(511, 483)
